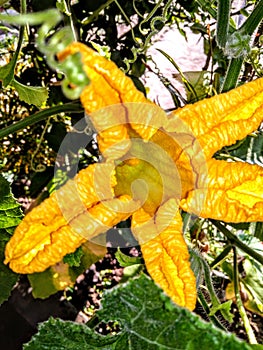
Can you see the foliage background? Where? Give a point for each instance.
(124, 31)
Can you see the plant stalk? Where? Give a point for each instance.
(251, 336)
(205, 306)
(236, 242)
(223, 19)
(39, 116)
(253, 20)
(232, 74)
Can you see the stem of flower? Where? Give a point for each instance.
(237, 243)
(222, 256)
(251, 336)
(223, 19)
(232, 74)
(253, 21)
(39, 116)
(205, 306)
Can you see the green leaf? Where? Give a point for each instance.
(187, 84)
(10, 216)
(249, 150)
(64, 335)
(131, 271)
(148, 321)
(226, 306)
(199, 82)
(155, 326)
(43, 283)
(7, 72)
(253, 282)
(74, 259)
(33, 95)
(125, 260)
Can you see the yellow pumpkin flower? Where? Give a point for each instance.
(153, 166)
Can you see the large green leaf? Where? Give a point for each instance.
(148, 321)
(56, 334)
(10, 216)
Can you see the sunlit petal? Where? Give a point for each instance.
(165, 252)
(222, 119)
(232, 192)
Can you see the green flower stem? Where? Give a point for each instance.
(206, 6)
(253, 21)
(251, 336)
(39, 116)
(223, 18)
(18, 48)
(95, 14)
(205, 306)
(71, 21)
(237, 243)
(235, 64)
(21, 33)
(209, 284)
(222, 256)
(233, 71)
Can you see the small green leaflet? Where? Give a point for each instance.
(33, 95)
(74, 259)
(146, 323)
(126, 260)
(7, 72)
(10, 216)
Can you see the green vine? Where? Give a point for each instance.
(57, 41)
(241, 309)
(142, 46)
(40, 116)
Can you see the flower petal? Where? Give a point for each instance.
(165, 252)
(231, 192)
(111, 87)
(81, 209)
(222, 119)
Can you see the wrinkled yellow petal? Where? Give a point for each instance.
(222, 119)
(79, 210)
(232, 192)
(111, 87)
(34, 250)
(175, 146)
(165, 253)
